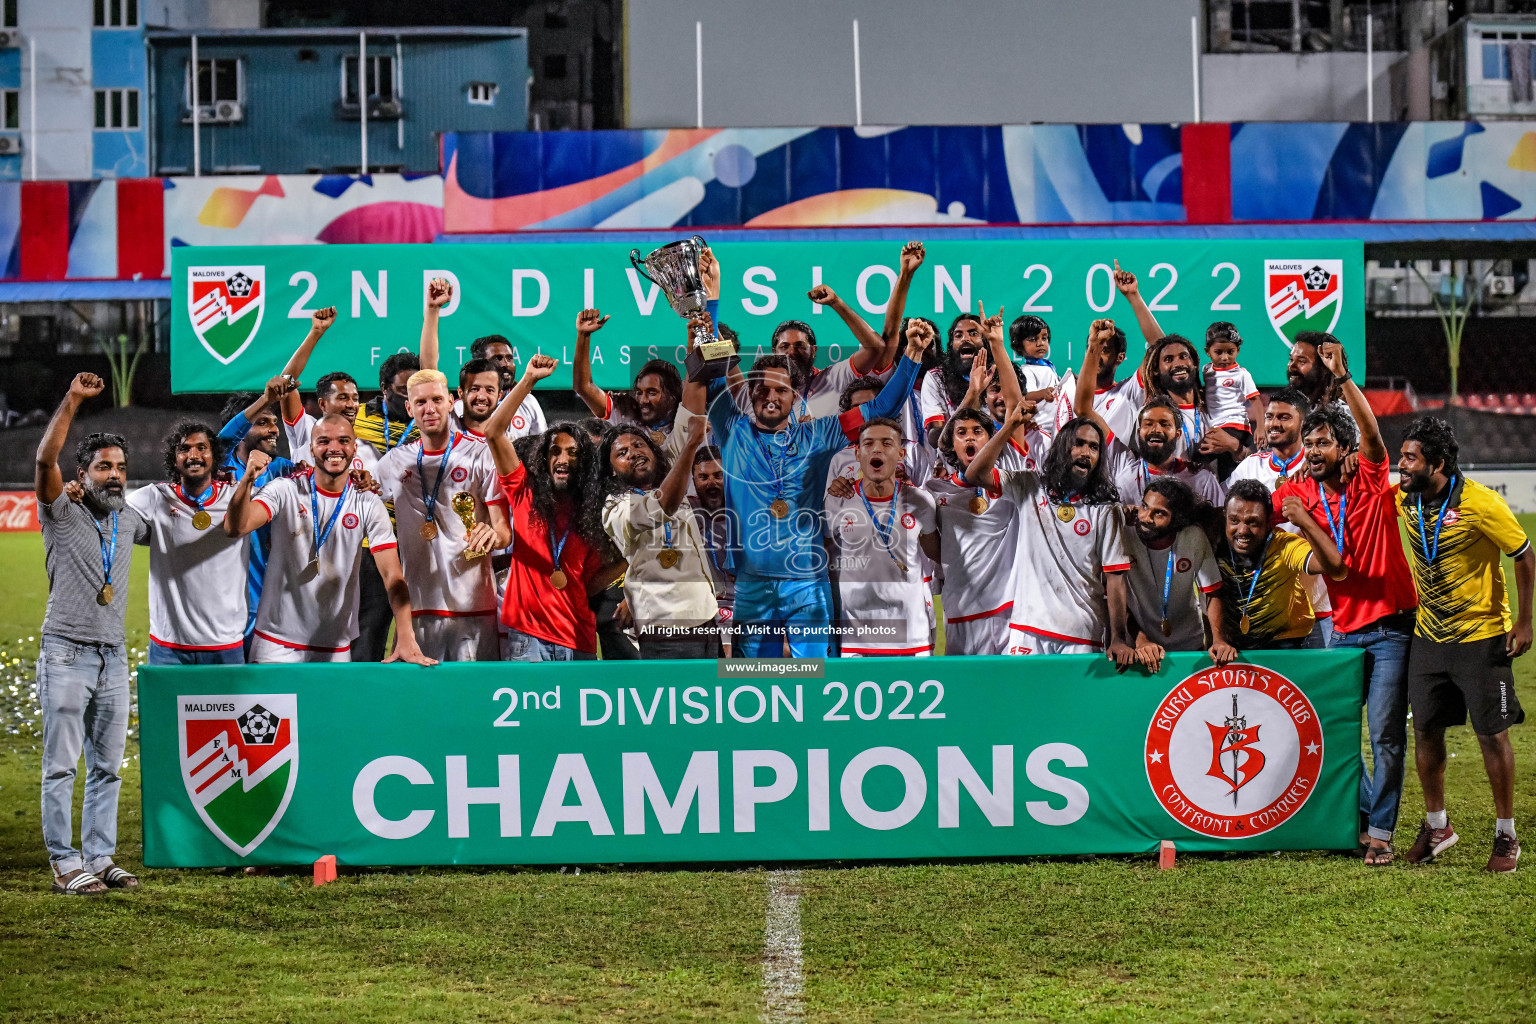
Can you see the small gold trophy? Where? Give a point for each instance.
(464, 505)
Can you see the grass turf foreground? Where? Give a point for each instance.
(1289, 937)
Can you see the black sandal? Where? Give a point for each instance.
(78, 882)
(1380, 856)
(116, 878)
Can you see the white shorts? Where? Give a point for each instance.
(458, 637)
(986, 635)
(272, 652)
(1025, 642)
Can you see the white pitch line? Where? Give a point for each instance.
(783, 964)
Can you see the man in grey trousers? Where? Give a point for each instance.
(82, 670)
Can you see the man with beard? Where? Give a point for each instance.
(196, 617)
(775, 484)
(1263, 570)
(1373, 607)
(433, 482)
(1171, 369)
(308, 610)
(708, 503)
(651, 404)
(335, 392)
(1464, 639)
(557, 534)
(667, 584)
(1307, 373)
(82, 668)
(1172, 568)
(875, 537)
(1069, 534)
(944, 386)
(1148, 454)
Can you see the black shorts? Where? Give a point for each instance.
(1450, 682)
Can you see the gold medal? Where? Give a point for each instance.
(779, 508)
(557, 579)
(902, 566)
(1245, 623)
(978, 505)
(429, 530)
(1066, 513)
(104, 595)
(658, 438)
(669, 557)
(311, 570)
(201, 520)
(1165, 627)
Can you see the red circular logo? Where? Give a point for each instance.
(908, 520)
(1081, 527)
(349, 521)
(1452, 516)
(1234, 752)
(1029, 464)
(459, 474)
(519, 422)
(1182, 565)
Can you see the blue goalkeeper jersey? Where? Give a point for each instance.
(762, 467)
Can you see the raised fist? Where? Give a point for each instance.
(919, 338)
(1332, 355)
(540, 367)
(709, 269)
(439, 292)
(322, 319)
(87, 385)
(1125, 281)
(279, 386)
(589, 321)
(256, 463)
(822, 295)
(1295, 511)
(1101, 331)
(911, 257)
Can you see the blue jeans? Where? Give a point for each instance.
(1386, 715)
(159, 654)
(525, 647)
(769, 610)
(83, 690)
(1321, 635)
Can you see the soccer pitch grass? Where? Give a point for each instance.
(1285, 937)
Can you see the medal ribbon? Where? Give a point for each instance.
(314, 505)
(1189, 445)
(1430, 553)
(556, 547)
(1168, 578)
(884, 533)
(196, 502)
(1284, 468)
(1338, 531)
(430, 500)
(774, 465)
(108, 551)
(1258, 570)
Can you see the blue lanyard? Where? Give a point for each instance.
(1338, 531)
(108, 552)
(314, 505)
(195, 502)
(1258, 570)
(1031, 361)
(1430, 553)
(1168, 582)
(556, 547)
(1284, 468)
(405, 430)
(884, 533)
(666, 524)
(775, 466)
(1189, 445)
(430, 500)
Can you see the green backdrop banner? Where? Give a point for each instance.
(882, 758)
(240, 311)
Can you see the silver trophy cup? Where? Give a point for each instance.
(674, 268)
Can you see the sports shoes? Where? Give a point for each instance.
(1506, 853)
(1431, 843)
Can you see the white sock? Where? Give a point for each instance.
(1504, 825)
(1436, 819)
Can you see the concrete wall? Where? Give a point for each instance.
(1294, 86)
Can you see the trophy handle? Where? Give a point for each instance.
(698, 240)
(639, 265)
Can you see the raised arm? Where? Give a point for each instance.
(894, 395)
(244, 515)
(979, 472)
(871, 354)
(997, 342)
(1324, 554)
(709, 267)
(502, 450)
(272, 394)
(1099, 332)
(588, 322)
(439, 292)
(1126, 282)
(675, 486)
(320, 321)
(976, 386)
(47, 480)
(1372, 448)
(895, 310)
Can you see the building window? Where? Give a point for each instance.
(108, 13)
(482, 94)
(115, 108)
(381, 80)
(219, 79)
(1495, 53)
(554, 65)
(10, 109)
(8, 13)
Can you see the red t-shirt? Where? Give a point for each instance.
(1379, 582)
(532, 604)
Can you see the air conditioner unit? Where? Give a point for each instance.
(10, 145)
(384, 110)
(1502, 285)
(10, 39)
(227, 112)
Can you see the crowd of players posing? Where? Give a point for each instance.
(1071, 513)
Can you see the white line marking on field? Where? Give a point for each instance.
(783, 965)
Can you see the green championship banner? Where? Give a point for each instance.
(238, 312)
(881, 758)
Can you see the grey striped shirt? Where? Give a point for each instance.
(72, 548)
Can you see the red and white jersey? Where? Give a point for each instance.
(1226, 396)
(1132, 474)
(1038, 378)
(933, 401)
(1063, 552)
(316, 611)
(1195, 574)
(1106, 402)
(979, 549)
(917, 459)
(1122, 405)
(1271, 471)
(1027, 456)
(197, 592)
(298, 432)
(890, 599)
(824, 389)
(528, 420)
(441, 580)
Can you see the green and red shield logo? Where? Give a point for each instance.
(239, 762)
(225, 304)
(1303, 295)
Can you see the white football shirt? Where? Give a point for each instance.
(298, 432)
(979, 550)
(1132, 474)
(888, 603)
(1226, 396)
(316, 611)
(197, 591)
(1195, 573)
(1122, 404)
(528, 420)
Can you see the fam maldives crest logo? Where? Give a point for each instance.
(1234, 752)
(1303, 295)
(239, 762)
(226, 304)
